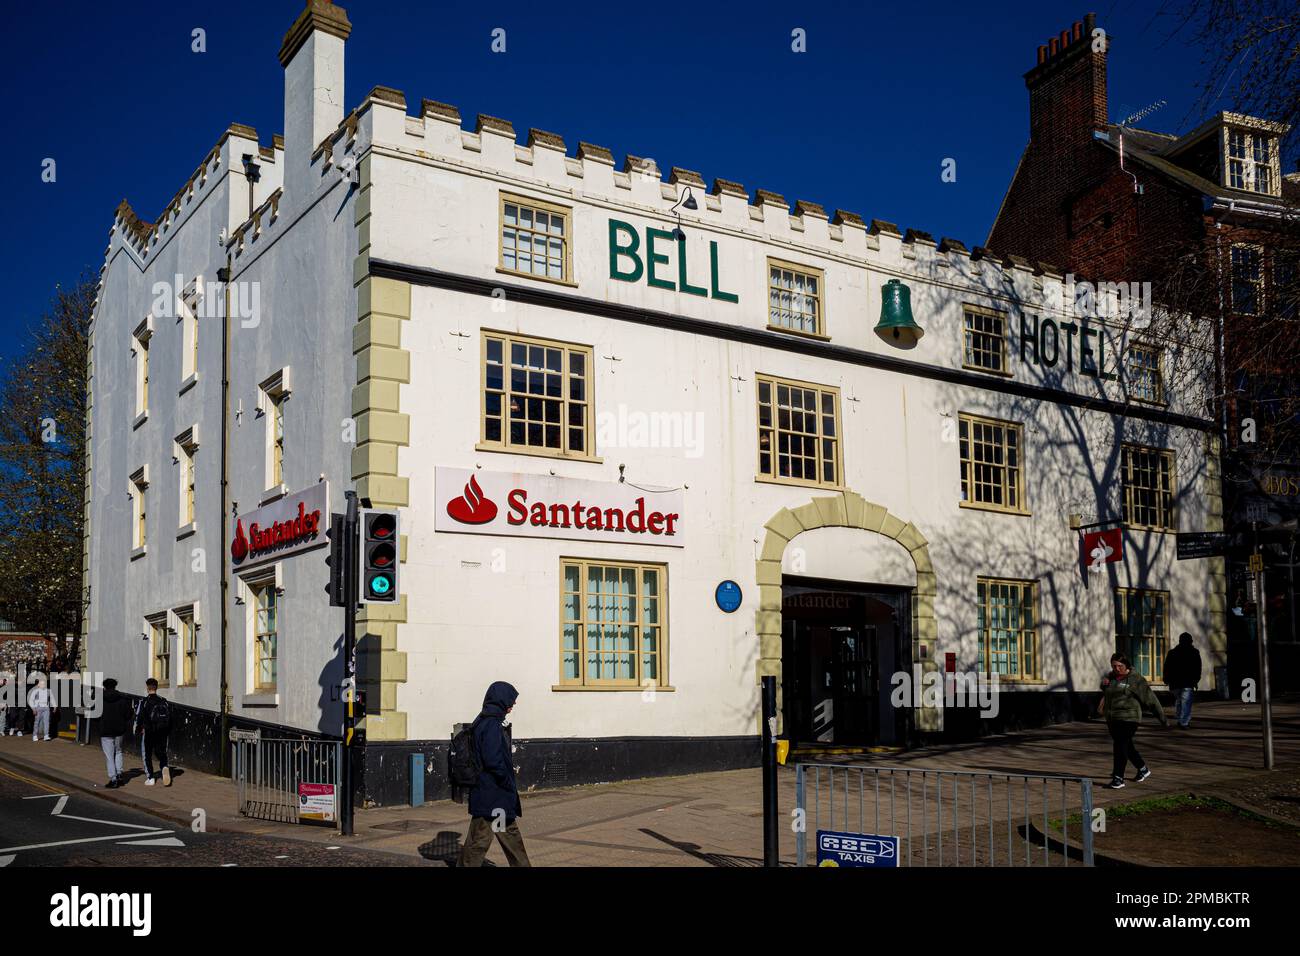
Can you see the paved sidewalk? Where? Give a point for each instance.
(707, 819)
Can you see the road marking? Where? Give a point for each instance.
(6, 860)
(107, 823)
(164, 841)
(44, 846)
(35, 783)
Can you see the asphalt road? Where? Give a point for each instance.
(41, 825)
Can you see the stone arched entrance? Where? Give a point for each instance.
(844, 510)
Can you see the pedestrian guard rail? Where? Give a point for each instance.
(900, 816)
(269, 774)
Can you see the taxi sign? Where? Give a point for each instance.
(856, 849)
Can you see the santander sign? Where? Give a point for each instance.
(523, 505)
(280, 528)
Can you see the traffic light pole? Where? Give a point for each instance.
(350, 562)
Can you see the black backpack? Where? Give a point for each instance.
(463, 764)
(160, 716)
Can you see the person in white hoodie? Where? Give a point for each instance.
(39, 701)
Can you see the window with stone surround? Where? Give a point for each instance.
(537, 396)
(985, 346)
(613, 624)
(992, 475)
(1147, 475)
(798, 432)
(795, 296)
(1142, 629)
(535, 239)
(1008, 627)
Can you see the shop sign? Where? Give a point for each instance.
(629, 262)
(856, 849)
(1284, 485)
(316, 802)
(544, 506)
(1103, 547)
(286, 526)
(1047, 343)
(1201, 544)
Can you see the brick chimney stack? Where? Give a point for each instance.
(1067, 87)
(1067, 103)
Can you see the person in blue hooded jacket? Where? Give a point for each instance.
(494, 803)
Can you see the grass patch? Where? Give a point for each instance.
(1182, 801)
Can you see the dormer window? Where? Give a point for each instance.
(1250, 161)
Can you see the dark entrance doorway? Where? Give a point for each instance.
(840, 644)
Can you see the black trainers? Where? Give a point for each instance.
(1116, 783)
(112, 784)
(1142, 775)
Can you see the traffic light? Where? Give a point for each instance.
(379, 558)
(337, 562)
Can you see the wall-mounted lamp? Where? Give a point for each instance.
(686, 202)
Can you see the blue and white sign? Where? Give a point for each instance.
(856, 849)
(728, 596)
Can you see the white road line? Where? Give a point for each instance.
(165, 841)
(6, 860)
(107, 823)
(43, 846)
(63, 802)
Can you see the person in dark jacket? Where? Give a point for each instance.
(114, 721)
(1125, 695)
(494, 802)
(1183, 674)
(153, 720)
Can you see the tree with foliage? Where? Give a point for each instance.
(42, 472)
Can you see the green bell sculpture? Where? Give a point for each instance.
(896, 325)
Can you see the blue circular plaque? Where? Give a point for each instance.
(728, 596)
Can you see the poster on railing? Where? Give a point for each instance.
(316, 802)
(856, 849)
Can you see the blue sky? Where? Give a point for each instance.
(862, 121)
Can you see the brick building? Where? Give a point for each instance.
(1210, 220)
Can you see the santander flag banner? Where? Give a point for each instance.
(543, 506)
(1103, 547)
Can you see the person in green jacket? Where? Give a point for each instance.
(1125, 694)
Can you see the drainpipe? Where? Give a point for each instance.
(225, 494)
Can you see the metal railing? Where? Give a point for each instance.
(949, 817)
(267, 773)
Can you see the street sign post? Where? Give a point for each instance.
(1202, 544)
(1261, 626)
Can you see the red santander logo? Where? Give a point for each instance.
(473, 507)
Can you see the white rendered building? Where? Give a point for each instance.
(589, 425)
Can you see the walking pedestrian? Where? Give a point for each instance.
(114, 720)
(1183, 675)
(7, 688)
(154, 722)
(39, 701)
(1125, 695)
(494, 805)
